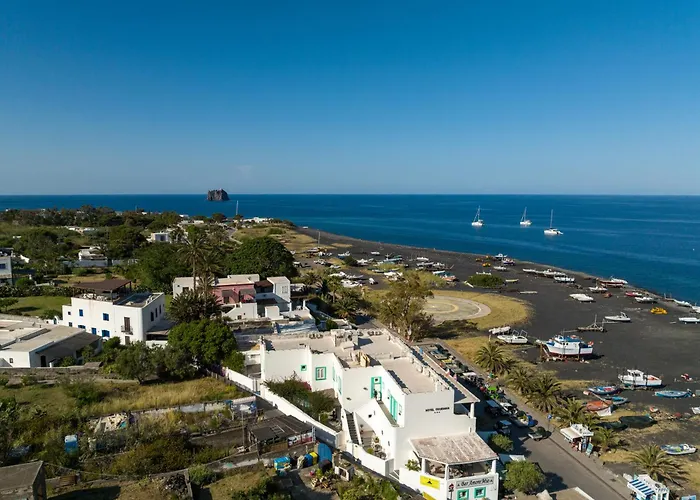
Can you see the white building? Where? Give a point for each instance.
(93, 257)
(245, 297)
(24, 344)
(111, 309)
(161, 237)
(393, 404)
(5, 268)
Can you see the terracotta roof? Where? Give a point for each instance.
(263, 283)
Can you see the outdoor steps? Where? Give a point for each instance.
(352, 427)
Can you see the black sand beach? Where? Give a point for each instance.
(656, 344)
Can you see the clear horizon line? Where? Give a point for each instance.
(355, 194)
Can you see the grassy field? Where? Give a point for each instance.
(112, 490)
(504, 310)
(225, 487)
(74, 280)
(34, 306)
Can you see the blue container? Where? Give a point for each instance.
(70, 444)
(308, 460)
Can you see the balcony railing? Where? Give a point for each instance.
(127, 329)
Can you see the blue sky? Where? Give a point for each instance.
(350, 97)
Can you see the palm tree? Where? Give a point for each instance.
(571, 411)
(192, 252)
(545, 392)
(491, 357)
(654, 461)
(520, 379)
(606, 439)
(208, 268)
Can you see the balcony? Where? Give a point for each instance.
(127, 329)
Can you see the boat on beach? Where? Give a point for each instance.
(646, 299)
(564, 279)
(582, 297)
(672, 394)
(637, 378)
(634, 294)
(597, 289)
(618, 318)
(513, 338)
(511, 281)
(604, 390)
(682, 303)
(478, 222)
(616, 400)
(524, 221)
(568, 345)
(678, 449)
(552, 231)
(500, 268)
(689, 320)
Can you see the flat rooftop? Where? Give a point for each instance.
(33, 338)
(455, 449)
(138, 299)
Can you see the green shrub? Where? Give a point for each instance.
(274, 230)
(28, 380)
(79, 271)
(84, 393)
(500, 443)
(485, 280)
(201, 475)
(68, 361)
(331, 325)
(4, 380)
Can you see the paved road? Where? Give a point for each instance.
(563, 468)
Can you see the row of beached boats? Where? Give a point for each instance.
(524, 222)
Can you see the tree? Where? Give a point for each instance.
(500, 443)
(158, 265)
(571, 411)
(660, 467)
(136, 361)
(264, 256)
(318, 403)
(520, 379)
(347, 304)
(193, 305)
(208, 342)
(492, 358)
(523, 476)
(173, 363)
(124, 241)
(24, 283)
(366, 487)
(545, 392)
(50, 314)
(6, 303)
(606, 439)
(218, 217)
(402, 306)
(193, 250)
(350, 261)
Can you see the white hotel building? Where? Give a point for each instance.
(392, 403)
(111, 308)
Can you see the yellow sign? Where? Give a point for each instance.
(425, 495)
(429, 481)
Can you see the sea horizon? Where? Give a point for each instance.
(651, 240)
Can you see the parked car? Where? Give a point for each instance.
(538, 434)
(503, 427)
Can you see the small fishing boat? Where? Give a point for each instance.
(422, 259)
(647, 299)
(689, 320)
(552, 231)
(511, 282)
(344, 254)
(634, 294)
(596, 406)
(637, 378)
(597, 289)
(604, 390)
(617, 281)
(500, 268)
(564, 279)
(524, 221)
(678, 449)
(375, 253)
(508, 262)
(478, 222)
(696, 309)
(672, 394)
(500, 330)
(513, 338)
(616, 400)
(499, 256)
(619, 318)
(683, 303)
(582, 297)
(530, 271)
(568, 345)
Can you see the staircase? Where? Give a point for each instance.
(352, 427)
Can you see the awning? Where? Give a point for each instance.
(640, 487)
(570, 434)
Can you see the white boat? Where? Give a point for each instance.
(689, 320)
(616, 280)
(530, 271)
(696, 309)
(375, 253)
(508, 262)
(597, 289)
(500, 268)
(564, 279)
(552, 231)
(678, 449)
(524, 221)
(683, 303)
(477, 222)
(646, 299)
(422, 259)
(551, 273)
(511, 282)
(513, 338)
(619, 318)
(500, 330)
(344, 254)
(484, 273)
(500, 256)
(582, 297)
(564, 345)
(638, 378)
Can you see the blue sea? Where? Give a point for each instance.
(654, 242)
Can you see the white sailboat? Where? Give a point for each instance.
(524, 221)
(477, 222)
(552, 231)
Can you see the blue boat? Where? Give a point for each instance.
(672, 394)
(604, 390)
(616, 400)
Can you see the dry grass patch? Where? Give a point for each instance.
(504, 310)
(617, 456)
(468, 346)
(111, 490)
(240, 481)
(137, 397)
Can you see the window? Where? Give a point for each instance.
(463, 495)
(156, 312)
(185, 288)
(80, 312)
(3, 266)
(105, 333)
(12, 360)
(70, 323)
(321, 373)
(151, 315)
(303, 368)
(68, 313)
(479, 492)
(105, 317)
(81, 326)
(94, 331)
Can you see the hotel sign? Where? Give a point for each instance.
(437, 410)
(479, 481)
(429, 481)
